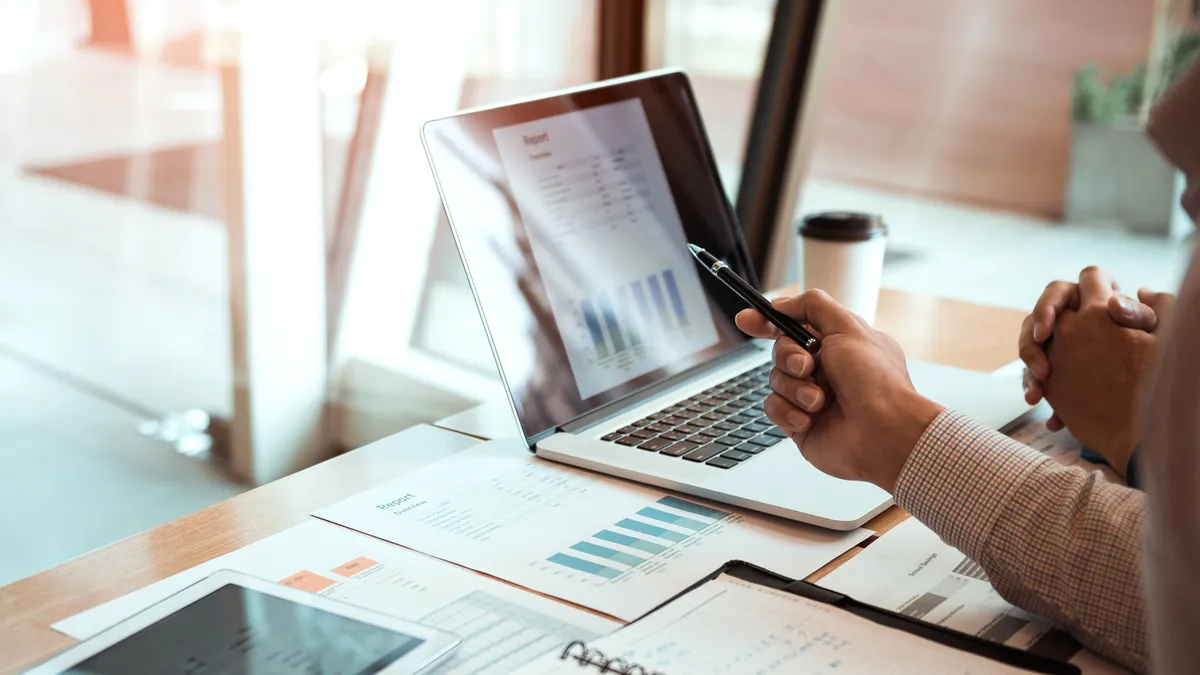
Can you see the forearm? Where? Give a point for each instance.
(1056, 541)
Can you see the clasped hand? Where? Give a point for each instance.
(1088, 351)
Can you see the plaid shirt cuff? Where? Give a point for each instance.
(959, 477)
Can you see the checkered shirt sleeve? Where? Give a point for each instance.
(1056, 541)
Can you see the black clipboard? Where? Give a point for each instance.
(579, 652)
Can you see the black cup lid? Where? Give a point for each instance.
(842, 226)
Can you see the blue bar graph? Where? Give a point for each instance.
(631, 542)
(652, 530)
(676, 298)
(683, 505)
(584, 565)
(639, 296)
(610, 320)
(660, 301)
(626, 311)
(609, 553)
(681, 521)
(593, 324)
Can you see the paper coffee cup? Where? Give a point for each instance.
(842, 254)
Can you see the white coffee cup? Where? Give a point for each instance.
(841, 253)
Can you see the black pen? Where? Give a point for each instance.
(738, 285)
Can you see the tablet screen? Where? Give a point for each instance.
(239, 631)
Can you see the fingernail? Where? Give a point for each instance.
(1037, 333)
(1125, 304)
(795, 365)
(797, 419)
(808, 397)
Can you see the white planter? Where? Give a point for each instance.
(1118, 176)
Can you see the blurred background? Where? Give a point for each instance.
(158, 157)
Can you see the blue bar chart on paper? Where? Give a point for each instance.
(638, 539)
(624, 318)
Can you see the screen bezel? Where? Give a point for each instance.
(436, 644)
(663, 83)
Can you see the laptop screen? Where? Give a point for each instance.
(572, 214)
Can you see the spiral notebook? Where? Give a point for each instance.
(745, 619)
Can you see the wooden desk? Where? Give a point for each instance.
(929, 329)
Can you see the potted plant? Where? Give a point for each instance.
(1116, 173)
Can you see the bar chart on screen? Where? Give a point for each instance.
(620, 322)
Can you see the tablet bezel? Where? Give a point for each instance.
(436, 645)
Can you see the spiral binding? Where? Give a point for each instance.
(593, 657)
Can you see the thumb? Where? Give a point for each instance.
(1161, 303)
(1132, 314)
(820, 311)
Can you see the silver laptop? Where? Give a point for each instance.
(571, 213)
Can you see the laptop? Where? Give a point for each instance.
(571, 213)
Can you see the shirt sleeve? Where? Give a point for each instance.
(1054, 540)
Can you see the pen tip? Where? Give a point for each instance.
(694, 248)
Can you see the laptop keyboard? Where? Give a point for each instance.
(722, 426)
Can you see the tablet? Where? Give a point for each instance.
(235, 624)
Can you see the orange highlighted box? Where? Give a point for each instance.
(354, 567)
(308, 581)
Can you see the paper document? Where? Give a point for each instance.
(611, 545)
(736, 627)
(1061, 446)
(911, 571)
(502, 627)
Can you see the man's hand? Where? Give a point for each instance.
(1149, 313)
(861, 418)
(1096, 371)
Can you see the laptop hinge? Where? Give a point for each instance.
(611, 410)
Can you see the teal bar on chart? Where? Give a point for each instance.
(681, 521)
(609, 553)
(584, 565)
(684, 505)
(631, 542)
(652, 530)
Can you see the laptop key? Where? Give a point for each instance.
(713, 402)
(705, 452)
(765, 440)
(728, 410)
(627, 430)
(713, 416)
(721, 462)
(655, 444)
(611, 437)
(776, 432)
(659, 427)
(675, 420)
(688, 429)
(643, 433)
(725, 426)
(727, 440)
(711, 432)
(741, 418)
(757, 427)
(656, 416)
(742, 434)
(678, 449)
(750, 448)
(629, 440)
(673, 436)
(722, 396)
(737, 455)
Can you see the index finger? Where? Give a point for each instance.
(1095, 286)
(820, 311)
(1059, 295)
